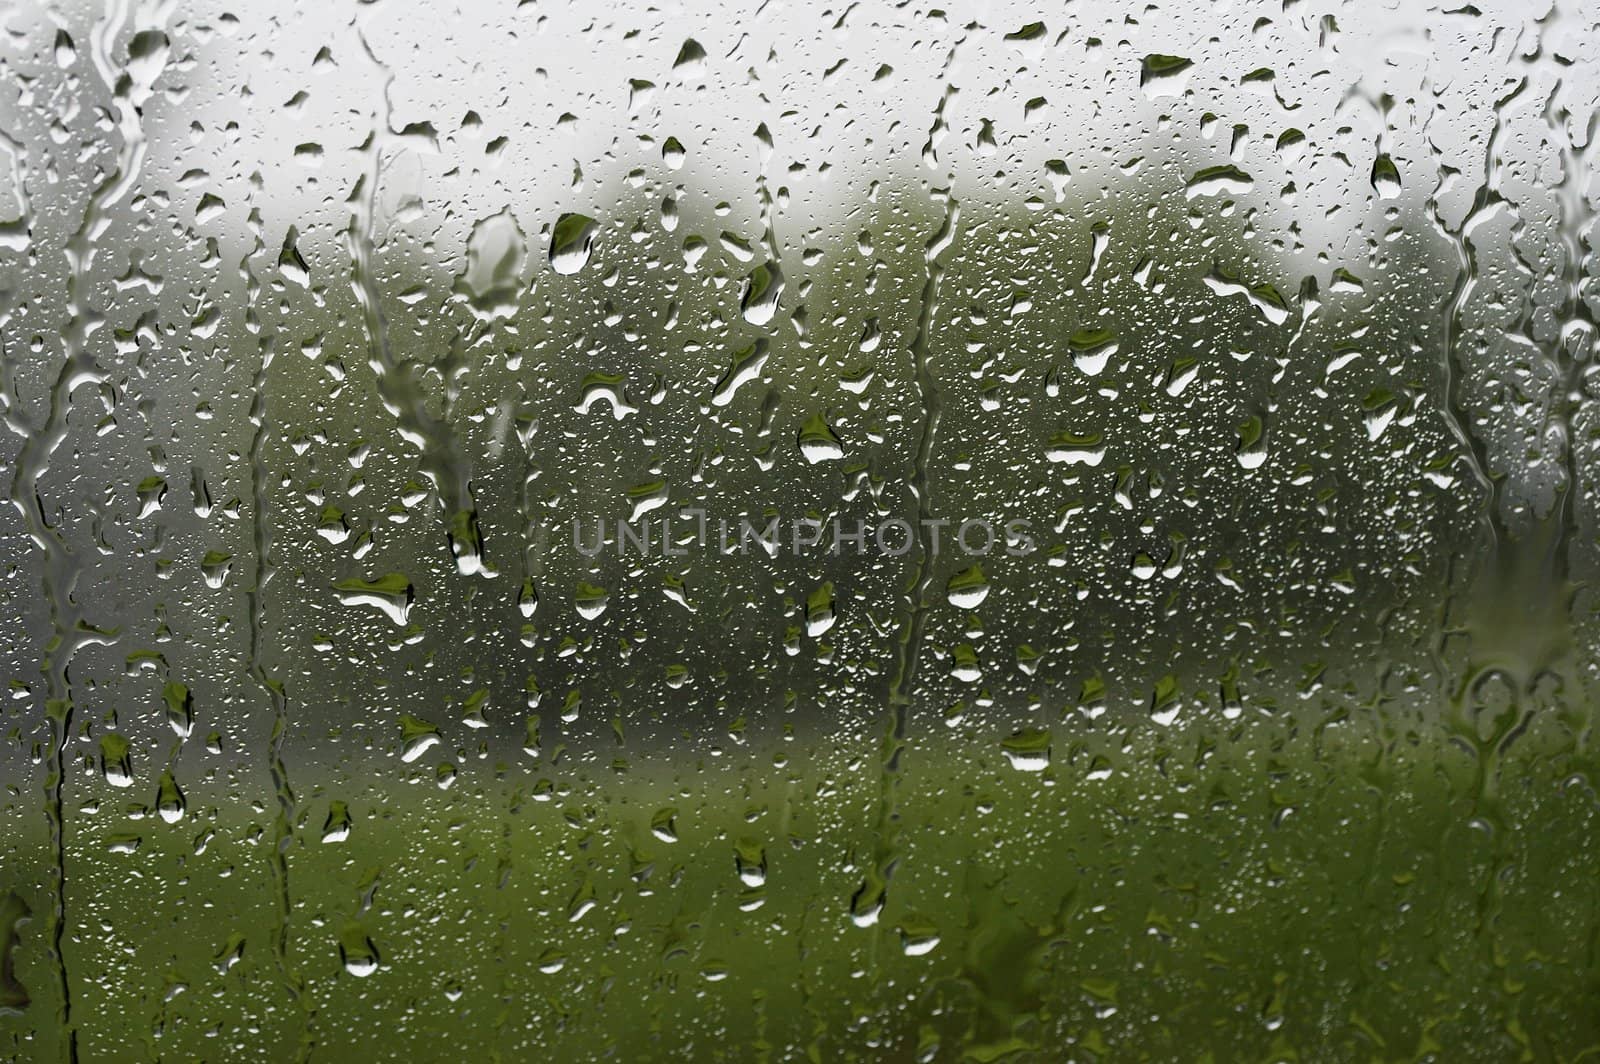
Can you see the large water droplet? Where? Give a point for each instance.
(571, 240)
(391, 593)
(967, 590)
(762, 290)
(116, 764)
(590, 600)
(169, 799)
(1092, 349)
(1028, 750)
(1076, 448)
(337, 827)
(357, 952)
(180, 708)
(818, 443)
(497, 254)
(819, 611)
(417, 736)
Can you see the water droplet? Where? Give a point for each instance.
(1142, 566)
(65, 51)
(1219, 180)
(607, 386)
(1092, 349)
(391, 593)
(590, 600)
(215, 567)
(571, 240)
(964, 664)
(472, 710)
(151, 491)
(1385, 177)
(672, 153)
(750, 859)
(292, 265)
(866, 905)
(1076, 448)
(819, 611)
(229, 954)
(918, 937)
(691, 59)
(818, 442)
(967, 590)
(180, 708)
(466, 543)
(1252, 449)
(336, 828)
(746, 366)
(357, 951)
(1165, 704)
(169, 799)
(664, 825)
(116, 764)
(1263, 297)
(497, 254)
(871, 336)
(123, 842)
(331, 525)
(417, 736)
(1028, 750)
(1164, 75)
(762, 290)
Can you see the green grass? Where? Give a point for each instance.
(1343, 887)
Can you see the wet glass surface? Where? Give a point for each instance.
(858, 531)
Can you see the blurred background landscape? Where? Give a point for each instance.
(322, 325)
